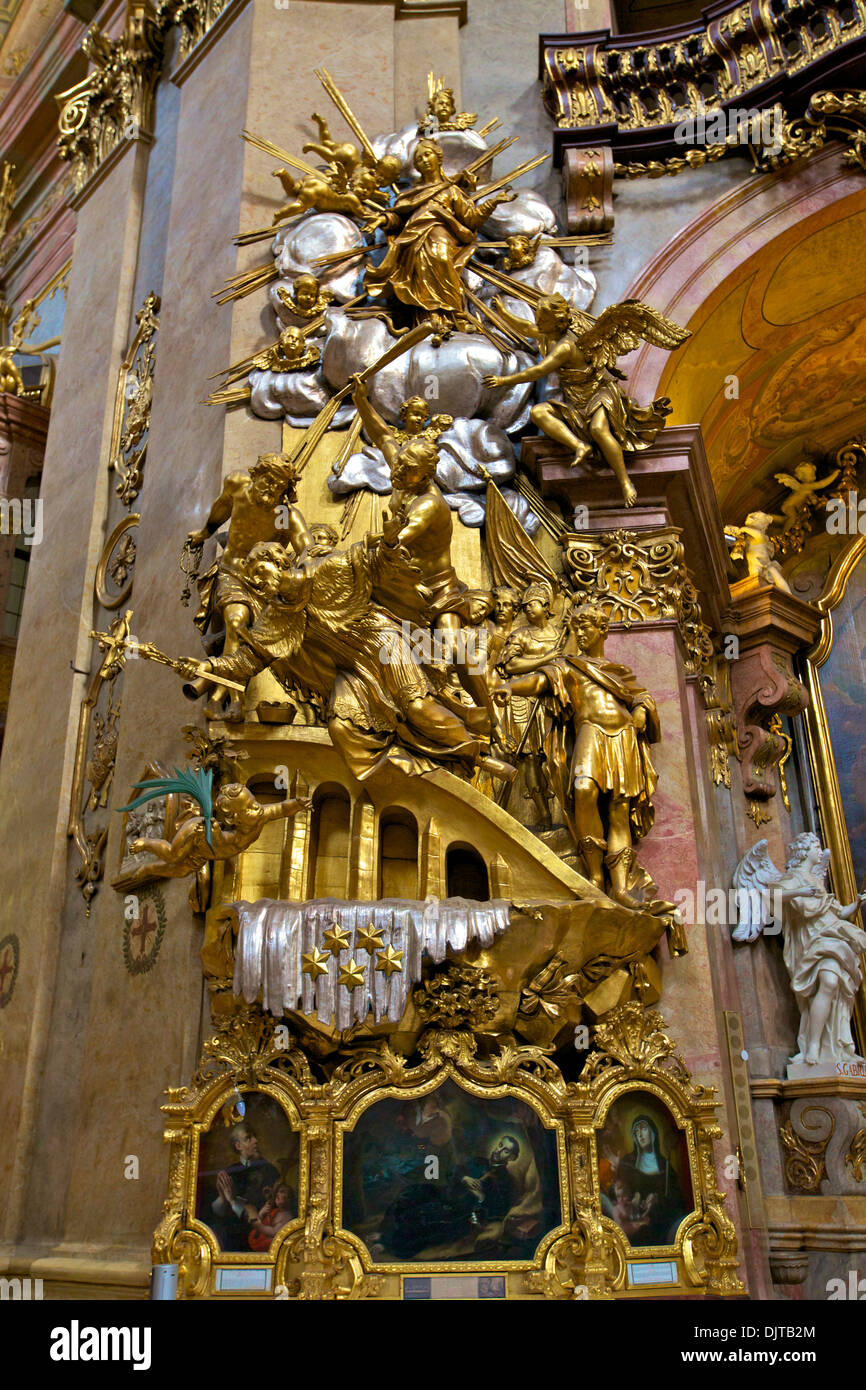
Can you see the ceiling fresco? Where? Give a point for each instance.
(774, 367)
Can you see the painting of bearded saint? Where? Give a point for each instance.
(643, 1170)
(450, 1176)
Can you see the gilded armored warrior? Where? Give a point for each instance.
(605, 788)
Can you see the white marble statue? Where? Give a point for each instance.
(822, 946)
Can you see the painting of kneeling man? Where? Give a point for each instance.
(450, 1176)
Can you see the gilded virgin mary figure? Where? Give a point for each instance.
(438, 224)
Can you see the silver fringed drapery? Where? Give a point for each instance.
(274, 936)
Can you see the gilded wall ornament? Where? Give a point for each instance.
(460, 996)
(115, 101)
(113, 583)
(94, 754)
(713, 65)
(855, 1158)
(128, 449)
(8, 189)
(10, 955)
(194, 19)
(640, 577)
(805, 1165)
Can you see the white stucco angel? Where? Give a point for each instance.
(822, 946)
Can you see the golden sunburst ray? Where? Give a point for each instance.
(245, 283)
(269, 147)
(499, 322)
(512, 174)
(344, 109)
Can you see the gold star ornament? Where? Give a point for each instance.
(369, 938)
(389, 960)
(336, 939)
(351, 975)
(315, 963)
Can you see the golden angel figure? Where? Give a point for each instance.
(224, 828)
(803, 488)
(321, 632)
(594, 412)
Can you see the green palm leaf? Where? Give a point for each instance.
(197, 784)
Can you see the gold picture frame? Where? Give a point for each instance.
(822, 761)
(581, 1253)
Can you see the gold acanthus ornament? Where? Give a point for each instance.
(115, 101)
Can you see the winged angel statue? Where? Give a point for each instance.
(822, 944)
(594, 412)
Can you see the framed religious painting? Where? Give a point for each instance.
(644, 1176)
(237, 1184)
(453, 1180)
(247, 1175)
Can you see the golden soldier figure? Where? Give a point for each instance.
(611, 778)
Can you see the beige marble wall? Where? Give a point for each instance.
(423, 44)
(35, 773)
(143, 1031)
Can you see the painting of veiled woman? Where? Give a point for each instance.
(643, 1170)
(450, 1176)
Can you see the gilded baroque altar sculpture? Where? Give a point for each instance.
(491, 765)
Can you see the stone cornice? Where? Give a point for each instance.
(432, 9)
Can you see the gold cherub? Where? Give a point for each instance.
(803, 486)
(237, 821)
(290, 353)
(307, 298)
(441, 112)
